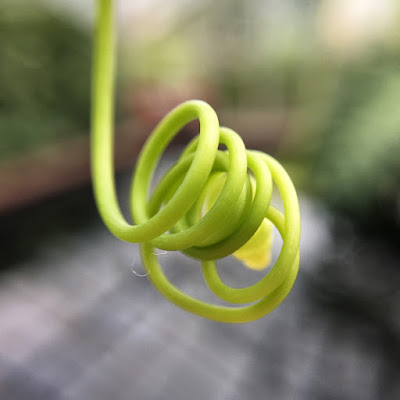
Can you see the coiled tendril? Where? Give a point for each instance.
(171, 218)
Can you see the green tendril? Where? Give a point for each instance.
(172, 217)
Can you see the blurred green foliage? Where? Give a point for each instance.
(348, 136)
(44, 78)
(342, 137)
(357, 167)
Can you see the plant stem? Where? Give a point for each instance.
(167, 219)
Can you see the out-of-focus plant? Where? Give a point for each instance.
(345, 135)
(44, 78)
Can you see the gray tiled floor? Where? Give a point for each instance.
(76, 323)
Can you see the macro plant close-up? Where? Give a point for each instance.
(199, 199)
(239, 211)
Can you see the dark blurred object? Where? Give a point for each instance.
(60, 167)
(44, 78)
(259, 129)
(149, 101)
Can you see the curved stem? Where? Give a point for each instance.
(102, 146)
(166, 218)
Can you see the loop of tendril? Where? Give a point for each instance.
(171, 218)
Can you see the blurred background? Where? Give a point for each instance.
(314, 83)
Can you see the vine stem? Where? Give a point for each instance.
(102, 115)
(170, 218)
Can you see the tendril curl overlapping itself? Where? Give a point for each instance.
(176, 216)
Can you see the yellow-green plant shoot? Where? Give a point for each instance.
(212, 203)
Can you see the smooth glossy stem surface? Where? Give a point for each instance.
(170, 217)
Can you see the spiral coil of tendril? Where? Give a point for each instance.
(171, 218)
